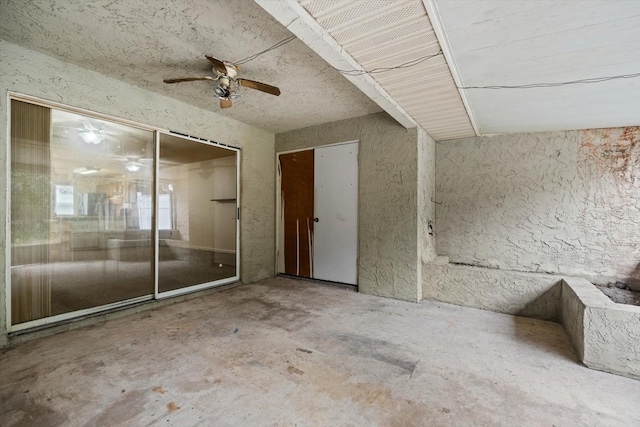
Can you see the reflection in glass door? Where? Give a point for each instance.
(78, 233)
(197, 214)
(105, 214)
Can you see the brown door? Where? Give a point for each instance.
(296, 171)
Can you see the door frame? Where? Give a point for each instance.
(201, 286)
(280, 231)
(51, 321)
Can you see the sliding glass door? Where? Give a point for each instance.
(197, 214)
(105, 214)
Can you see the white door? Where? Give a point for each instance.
(335, 234)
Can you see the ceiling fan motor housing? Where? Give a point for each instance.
(232, 71)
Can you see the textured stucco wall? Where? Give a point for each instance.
(387, 212)
(556, 202)
(605, 334)
(511, 292)
(572, 316)
(34, 74)
(611, 339)
(426, 205)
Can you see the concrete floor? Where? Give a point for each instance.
(287, 352)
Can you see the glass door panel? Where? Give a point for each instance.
(81, 212)
(197, 220)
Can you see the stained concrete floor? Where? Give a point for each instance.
(287, 352)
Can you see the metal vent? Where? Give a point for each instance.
(382, 33)
(318, 7)
(416, 47)
(373, 25)
(357, 12)
(389, 36)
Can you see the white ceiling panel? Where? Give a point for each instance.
(524, 42)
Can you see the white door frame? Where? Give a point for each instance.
(279, 231)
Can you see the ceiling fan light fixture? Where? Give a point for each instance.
(91, 137)
(221, 91)
(133, 166)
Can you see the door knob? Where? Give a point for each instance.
(316, 219)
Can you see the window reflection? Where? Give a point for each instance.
(196, 213)
(84, 206)
(80, 234)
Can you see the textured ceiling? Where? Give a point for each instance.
(495, 42)
(381, 34)
(142, 42)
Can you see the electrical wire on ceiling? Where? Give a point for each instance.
(385, 69)
(275, 46)
(345, 72)
(556, 84)
(422, 59)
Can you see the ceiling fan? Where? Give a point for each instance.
(225, 75)
(90, 133)
(134, 163)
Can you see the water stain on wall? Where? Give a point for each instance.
(608, 163)
(612, 152)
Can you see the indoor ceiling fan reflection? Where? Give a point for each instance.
(86, 131)
(133, 166)
(134, 163)
(92, 136)
(90, 133)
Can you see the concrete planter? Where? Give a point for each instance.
(605, 335)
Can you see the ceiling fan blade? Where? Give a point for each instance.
(188, 79)
(217, 64)
(225, 103)
(263, 87)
